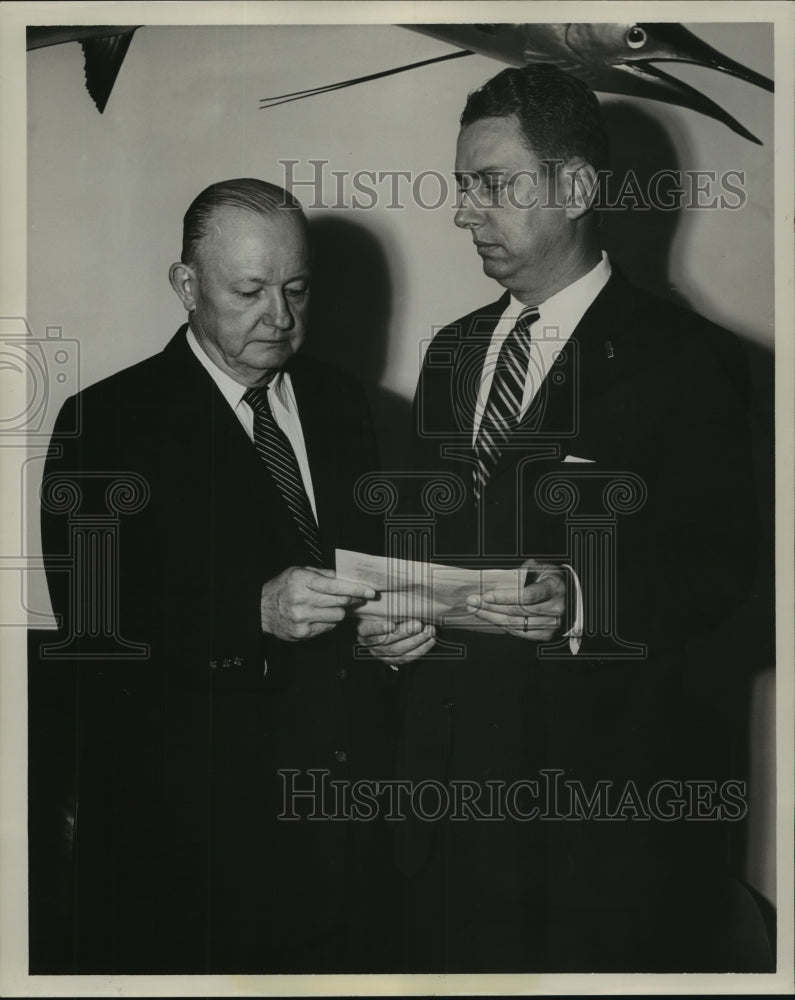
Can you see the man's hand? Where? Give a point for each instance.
(302, 602)
(535, 612)
(395, 644)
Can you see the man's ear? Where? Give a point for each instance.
(580, 185)
(183, 281)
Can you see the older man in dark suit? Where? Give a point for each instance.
(210, 668)
(600, 439)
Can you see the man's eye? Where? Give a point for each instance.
(296, 293)
(249, 295)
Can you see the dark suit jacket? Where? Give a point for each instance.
(159, 775)
(656, 397)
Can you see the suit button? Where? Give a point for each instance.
(238, 661)
(343, 674)
(213, 664)
(341, 756)
(226, 664)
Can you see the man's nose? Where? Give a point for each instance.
(276, 311)
(467, 216)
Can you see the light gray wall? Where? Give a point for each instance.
(107, 193)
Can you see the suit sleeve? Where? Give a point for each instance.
(52, 757)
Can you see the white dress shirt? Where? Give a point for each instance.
(558, 318)
(283, 406)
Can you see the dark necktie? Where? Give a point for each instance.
(277, 453)
(501, 415)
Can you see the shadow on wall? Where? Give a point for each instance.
(640, 240)
(351, 308)
(726, 663)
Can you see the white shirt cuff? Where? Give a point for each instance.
(574, 635)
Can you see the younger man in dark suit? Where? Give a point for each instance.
(600, 438)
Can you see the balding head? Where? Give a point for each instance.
(247, 193)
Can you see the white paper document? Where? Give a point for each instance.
(427, 591)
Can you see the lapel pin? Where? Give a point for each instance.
(609, 348)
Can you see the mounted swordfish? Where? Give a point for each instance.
(611, 58)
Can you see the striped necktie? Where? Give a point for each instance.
(503, 407)
(277, 453)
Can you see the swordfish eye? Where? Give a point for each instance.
(635, 37)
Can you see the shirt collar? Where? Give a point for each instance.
(231, 390)
(575, 298)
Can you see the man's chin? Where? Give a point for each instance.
(497, 269)
(268, 357)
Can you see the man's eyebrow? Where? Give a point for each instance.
(483, 174)
(259, 279)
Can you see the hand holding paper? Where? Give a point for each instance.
(537, 613)
(303, 602)
(430, 592)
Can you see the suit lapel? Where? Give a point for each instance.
(211, 437)
(586, 366)
(206, 415)
(599, 347)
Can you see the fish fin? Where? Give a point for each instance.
(102, 59)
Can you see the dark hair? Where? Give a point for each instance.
(255, 195)
(558, 114)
